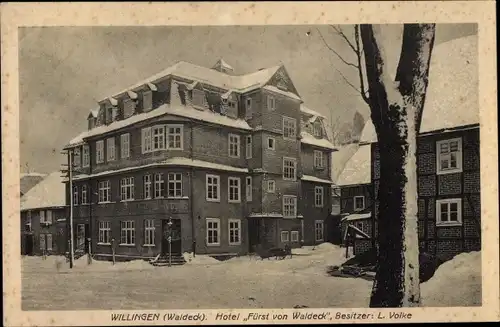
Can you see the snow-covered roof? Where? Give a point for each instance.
(358, 168)
(265, 215)
(340, 159)
(32, 174)
(242, 83)
(274, 89)
(175, 161)
(49, 193)
(357, 216)
(176, 110)
(224, 64)
(309, 178)
(452, 98)
(307, 138)
(309, 111)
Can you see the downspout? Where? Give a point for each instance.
(191, 195)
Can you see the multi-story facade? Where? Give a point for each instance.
(43, 218)
(218, 162)
(447, 155)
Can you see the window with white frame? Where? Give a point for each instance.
(48, 239)
(359, 203)
(104, 192)
(147, 100)
(158, 137)
(449, 212)
(295, 236)
(86, 156)
(77, 157)
(127, 188)
(147, 186)
(28, 222)
(318, 159)
(127, 233)
(234, 189)
(271, 103)
(111, 150)
(42, 216)
(174, 137)
(271, 186)
(318, 196)
(289, 127)
(149, 232)
(249, 147)
(318, 230)
(104, 232)
(146, 140)
(289, 169)
(289, 206)
(284, 236)
(449, 156)
(213, 188)
(271, 143)
(174, 185)
(125, 145)
(48, 216)
(85, 199)
(213, 231)
(159, 186)
(249, 186)
(99, 151)
(75, 195)
(234, 231)
(234, 145)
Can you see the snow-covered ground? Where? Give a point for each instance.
(204, 282)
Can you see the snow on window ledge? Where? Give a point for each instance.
(449, 224)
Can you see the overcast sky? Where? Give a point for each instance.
(64, 71)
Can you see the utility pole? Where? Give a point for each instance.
(69, 172)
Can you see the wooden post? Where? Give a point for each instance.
(113, 250)
(89, 257)
(71, 240)
(347, 242)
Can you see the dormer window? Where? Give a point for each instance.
(317, 129)
(199, 99)
(147, 101)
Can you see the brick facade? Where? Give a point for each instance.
(32, 230)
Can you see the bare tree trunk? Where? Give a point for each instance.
(396, 110)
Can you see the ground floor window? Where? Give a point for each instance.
(104, 232)
(449, 212)
(234, 231)
(285, 236)
(149, 232)
(295, 236)
(127, 236)
(80, 235)
(213, 231)
(318, 230)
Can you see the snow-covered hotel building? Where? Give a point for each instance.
(448, 160)
(231, 161)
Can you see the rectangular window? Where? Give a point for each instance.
(234, 231)
(86, 156)
(318, 159)
(149, 232)
(213, 188)
(75, 195)
(289, 206)
(271, 103)
(271, 143)
(159, 186)
(248, 106)
(359, 225)
(147, 100)
(213, 231)
(174, 137)
(271, 186)
(289, 169)
(48, 239)
(318, 196)
(234, 189)
(127, 235)
(317, 129)
(249, 147)
(42, 242)
(359, 203)
(285, 236)
(99, 151)
(318, 230)
(104, 192)
(174, 185)
(449, 156)
(234, 145)
(77, 158)
(158, 138)
(28, 222)
(48, 216)
(295, 236)
(199, 98)
(111, 150)
(85, 199)
(146, 140)
(104, 232)
(125, 145)
(42, 216)
(449, 212)
(127, 188)
(249, 186)
(147, 186)
(289, 128)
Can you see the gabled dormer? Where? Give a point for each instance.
(197, 96)
(111, 110)
(92, 118)
(229, 104)
(282, 81)
(223, 67)
(129, 104)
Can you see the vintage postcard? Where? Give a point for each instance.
(249, 163)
